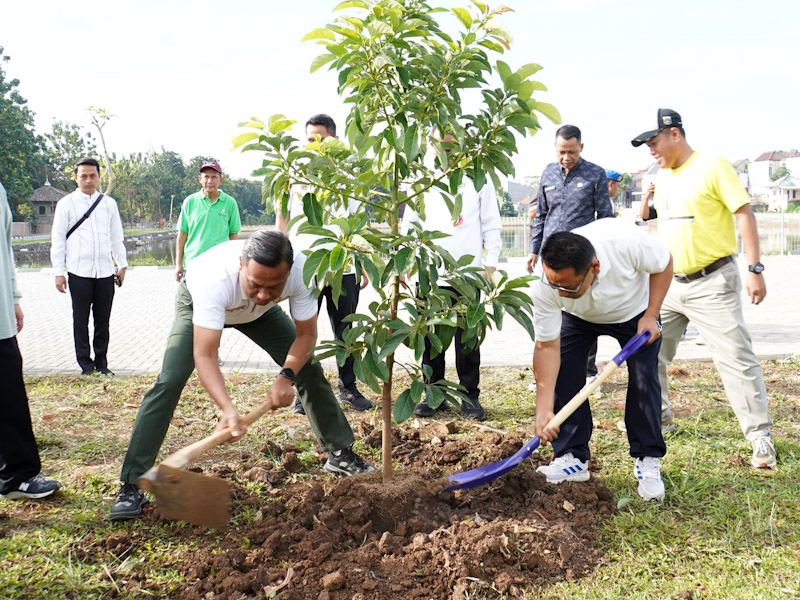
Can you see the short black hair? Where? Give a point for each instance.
(566, 249)
(325, 121)
(569, 131)
(88, 161)
(268, 248)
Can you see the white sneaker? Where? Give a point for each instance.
(648, 472)
(764, 455)
(565, 468)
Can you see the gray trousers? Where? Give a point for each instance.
(714, 305)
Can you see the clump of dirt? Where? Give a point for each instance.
(359, 538)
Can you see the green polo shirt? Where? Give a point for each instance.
(207, 224)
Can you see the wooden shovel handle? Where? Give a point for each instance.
(183, 457)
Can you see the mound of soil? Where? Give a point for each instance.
(358, 538)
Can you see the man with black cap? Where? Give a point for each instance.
(208, 217)
(696, 193)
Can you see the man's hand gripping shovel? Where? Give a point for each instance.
(191, 497)
(491, 472)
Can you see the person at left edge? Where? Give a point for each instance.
(239, 284)
(88, 259)
(19, 455)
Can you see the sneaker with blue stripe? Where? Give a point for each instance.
(565, 468)
(648, 473)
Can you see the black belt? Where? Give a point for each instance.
(717, 264)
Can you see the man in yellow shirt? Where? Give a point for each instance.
(697, 197)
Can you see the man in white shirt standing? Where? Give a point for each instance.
(476, 229)
(239, 284)
(324, 126)
(87, 241)
(605, 278)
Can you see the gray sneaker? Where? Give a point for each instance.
(130, 502)
(346, 462)
(34, 488)
(764, 455)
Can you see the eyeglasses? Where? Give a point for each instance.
(566, 289)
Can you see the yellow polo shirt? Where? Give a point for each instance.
(695, 205)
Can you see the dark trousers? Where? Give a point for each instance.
(273, 331)
(19, 457)
(642, 404)
(468, 366)
(348, 303)
(95, 295)
(591, 362)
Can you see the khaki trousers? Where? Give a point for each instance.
(714, 305)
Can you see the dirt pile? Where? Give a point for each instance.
(358, 539)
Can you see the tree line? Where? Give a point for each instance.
(147, 185)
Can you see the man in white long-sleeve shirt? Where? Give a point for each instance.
(86, 249)
(476, 229)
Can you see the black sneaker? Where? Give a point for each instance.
(423, 410)
(86, 371)
(130, 502)
(36, 487)
(473, 410)
(354, 399)
(297, 407)
(346, 462)
(106, 372)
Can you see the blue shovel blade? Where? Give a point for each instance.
(482, 475)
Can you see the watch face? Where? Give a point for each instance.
(756, 267)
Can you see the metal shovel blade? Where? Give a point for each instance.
(482, 475)
(191, 497)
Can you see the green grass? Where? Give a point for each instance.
(723, 532)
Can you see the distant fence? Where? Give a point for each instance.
(778, 233)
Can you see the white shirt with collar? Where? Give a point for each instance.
(217, 296)
(628, 256)
(477, 228)
(95, 245)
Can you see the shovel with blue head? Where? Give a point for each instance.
(491, 472)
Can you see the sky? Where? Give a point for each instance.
(181, 75)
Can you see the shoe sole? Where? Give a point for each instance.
(348, 404)
(334, 470)
(17, 495)
(643, 493)
(129, 515)
(577, 477)
(763, 465)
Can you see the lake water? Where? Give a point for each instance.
(161, 251)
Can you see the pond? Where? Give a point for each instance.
(161, 251)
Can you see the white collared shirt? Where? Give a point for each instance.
(476, 229)
(217, 295)
(628, 256)
(95, 245)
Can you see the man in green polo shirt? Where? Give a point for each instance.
(208, 217)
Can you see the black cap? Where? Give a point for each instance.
(666, 118)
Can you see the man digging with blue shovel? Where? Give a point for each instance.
(605, 278)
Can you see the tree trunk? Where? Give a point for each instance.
(386, 413)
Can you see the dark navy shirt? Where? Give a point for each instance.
(569, 202)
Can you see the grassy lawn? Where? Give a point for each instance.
(724, 531)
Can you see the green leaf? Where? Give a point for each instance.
(378, 28)
(526, 71)
(403, 407)
(392, 343)
(376, 366)
(319, 34)
(503, 70)
(243, 138)
(321, 60)
(352, 4)
(312, 263)
(463, 16)
(278, 123)
(549, 111)
(337, 258)
(402, 259)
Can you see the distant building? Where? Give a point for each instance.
(784, 192)
(44, 200)
(521, 195)
(760, 174)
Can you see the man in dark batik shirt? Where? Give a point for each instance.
(573, 192)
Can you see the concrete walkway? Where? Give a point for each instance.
(143, 312)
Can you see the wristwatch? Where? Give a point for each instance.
(756, 268)
(288, 373)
